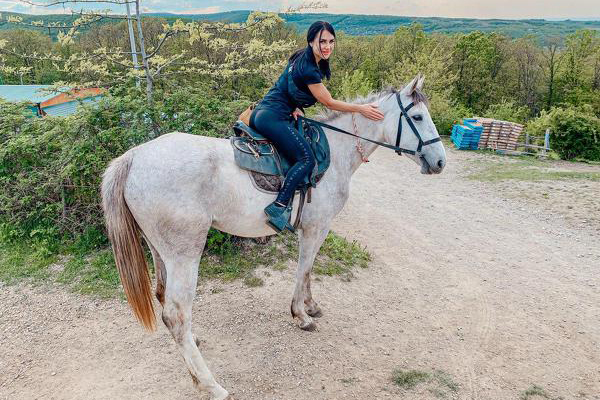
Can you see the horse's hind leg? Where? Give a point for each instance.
(303, 305)
(181, 278)
(161, 278)
(161, 273)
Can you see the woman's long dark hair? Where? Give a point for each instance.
(315, 29)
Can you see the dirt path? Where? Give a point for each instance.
(467, 279)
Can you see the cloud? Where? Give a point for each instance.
(46, 10)
(206, 10)
(9, 5)
(470, 9)
(20, 7)
(417, 8)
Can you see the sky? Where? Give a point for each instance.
(511, 9)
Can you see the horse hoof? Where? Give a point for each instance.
(315, 313)
(308, 326)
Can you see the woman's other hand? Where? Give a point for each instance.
(296, 113)
(371, 111)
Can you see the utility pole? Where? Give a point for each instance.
(132, 42)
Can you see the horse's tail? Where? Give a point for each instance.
(124, 235)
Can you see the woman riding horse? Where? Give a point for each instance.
(299, 86)
(173, 189)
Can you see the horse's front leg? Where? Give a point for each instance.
(303, 305)
(311, 306)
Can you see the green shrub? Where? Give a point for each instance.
(355, 84)
(581, 97)
(575, 132)
(51, 168)
(508, 111)
(445, 113)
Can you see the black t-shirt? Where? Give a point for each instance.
(304, 71)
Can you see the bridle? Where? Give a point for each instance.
(404, 113)
(399, 150)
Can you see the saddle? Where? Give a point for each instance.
(256, 154)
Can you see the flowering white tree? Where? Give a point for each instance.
(225, 56)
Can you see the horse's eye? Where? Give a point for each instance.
(417, 117)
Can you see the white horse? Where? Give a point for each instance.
(174, 188)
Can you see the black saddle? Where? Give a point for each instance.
(254, 152)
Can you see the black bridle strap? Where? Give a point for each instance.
(404, 113)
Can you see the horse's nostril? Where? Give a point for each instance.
(441, 163)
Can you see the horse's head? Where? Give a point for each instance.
(409, 126)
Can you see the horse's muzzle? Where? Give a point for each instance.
(429, 169)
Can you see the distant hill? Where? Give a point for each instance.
(355, 24)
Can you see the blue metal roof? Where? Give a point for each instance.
(68, 108)
(30, 93)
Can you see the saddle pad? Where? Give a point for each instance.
(270, 183)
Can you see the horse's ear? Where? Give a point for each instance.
(420, 82)
(412, 86)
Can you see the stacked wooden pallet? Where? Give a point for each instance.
(499, 134)
(467, 135)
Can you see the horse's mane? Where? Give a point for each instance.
(328, 115)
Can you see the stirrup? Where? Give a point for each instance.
(279, 217)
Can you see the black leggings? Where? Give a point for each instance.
(290, 144)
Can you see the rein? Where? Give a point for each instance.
(399, 150)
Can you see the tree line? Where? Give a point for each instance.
(479, 72)
(197, 77)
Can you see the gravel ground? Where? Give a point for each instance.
(495, 284)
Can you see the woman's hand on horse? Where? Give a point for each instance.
(296, 113)
(371, 111)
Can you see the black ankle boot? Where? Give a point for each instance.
(279, 216)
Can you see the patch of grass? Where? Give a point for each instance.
(94, 273)
(530, 170)
(445, 380)
(253, 281)
(440, 394)
(331, 268)
(242, 256)
(280, 266)
(537, 392)
(337, 256)
(410, 378)
(87, 267)
(439, 383)
(23, 260)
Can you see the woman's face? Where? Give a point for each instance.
(326, 45)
